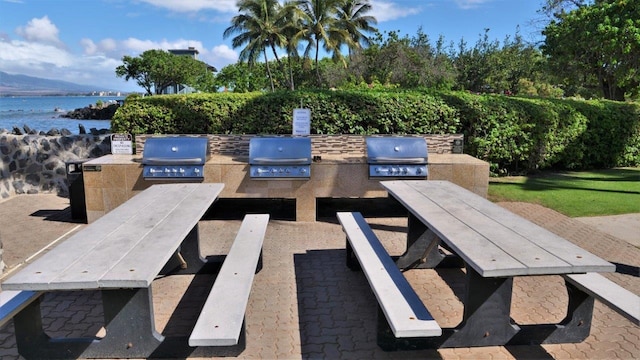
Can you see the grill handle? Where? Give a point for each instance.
(267, 161)
(397, 160)
(172, 161)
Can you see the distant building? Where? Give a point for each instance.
(181, 88)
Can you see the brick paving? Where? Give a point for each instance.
(306, 304)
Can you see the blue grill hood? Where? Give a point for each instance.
(279, 151)
(396, 150)
(175, 150)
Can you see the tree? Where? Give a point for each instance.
(552, 8)
(599, 41)
(158, 69)
(260, 25)
(321, 23)
(293, 30)
(352, 17)
(241, 77)
(475, 65)
(491, 66)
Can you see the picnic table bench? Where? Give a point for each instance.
(495, 246)
(13, 301)
(406, 316)
(120, 255)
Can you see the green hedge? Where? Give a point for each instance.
(271, 113)
(514, 134)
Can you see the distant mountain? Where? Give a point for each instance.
(29, 85)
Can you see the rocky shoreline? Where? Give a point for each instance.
(93, 112)
(26, 130)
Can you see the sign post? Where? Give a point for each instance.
(121, 144)
(301, 121)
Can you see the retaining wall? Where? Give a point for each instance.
(33, 164)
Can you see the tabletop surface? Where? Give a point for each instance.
(489, 238)
(125, 248)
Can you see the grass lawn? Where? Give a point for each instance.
(575, 194)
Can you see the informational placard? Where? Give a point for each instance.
(301, 121)
(121, 144)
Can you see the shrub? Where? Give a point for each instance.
(514, 134)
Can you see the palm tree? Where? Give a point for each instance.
(295, 32)
(353, 18)
(320, 22)
(259, 25)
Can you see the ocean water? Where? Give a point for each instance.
(42, 113)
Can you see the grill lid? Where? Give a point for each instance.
(396, 150)
(175, 150)
(279, 151)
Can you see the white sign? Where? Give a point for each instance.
(301, 121)
(121, 144)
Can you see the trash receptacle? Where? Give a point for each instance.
(76, 190)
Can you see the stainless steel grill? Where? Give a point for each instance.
(175, 158)
(402, 157)
(273, 158)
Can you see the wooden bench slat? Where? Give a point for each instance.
(486, 258)
(88, 272)
(406, 314)
(475, 216)
(122, 248)
(176, 225)
(523, 230)
(76, 247)
(615, 296)
(220, 321)
(13, 301)
(492, 240)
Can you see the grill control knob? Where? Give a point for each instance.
(419, 171)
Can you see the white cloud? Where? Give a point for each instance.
(220, 56)
(52, 62)
(104, 46)
(108, 45)
(228, 6)
(133, 45)
(470, 4)
(89, 46)
(40, 30)
(32, 56)
(387, 11)
(224, 52)
(40, 53)
(138, 46)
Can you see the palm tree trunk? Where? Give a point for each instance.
(317, 52)
(291, 85)
(280, 64)
(266, 62)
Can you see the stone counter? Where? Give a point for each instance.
(112, 179)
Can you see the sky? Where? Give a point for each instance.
(83, 41)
